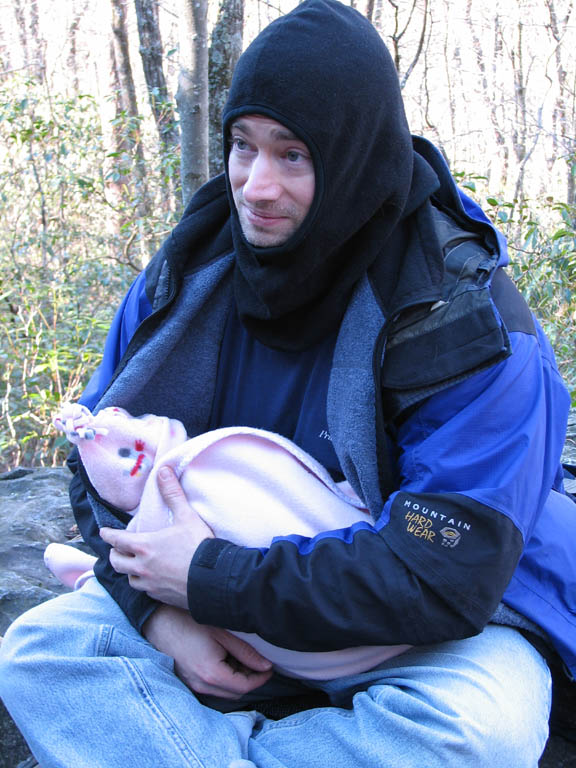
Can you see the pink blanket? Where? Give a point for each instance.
(248, 485)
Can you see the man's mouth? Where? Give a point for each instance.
(264, 218)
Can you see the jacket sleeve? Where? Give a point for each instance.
(475, 464)
(134, 308)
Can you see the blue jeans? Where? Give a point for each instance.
(87, 690)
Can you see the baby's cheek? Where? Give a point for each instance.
(134, 463)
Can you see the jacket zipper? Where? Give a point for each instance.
(382, 442)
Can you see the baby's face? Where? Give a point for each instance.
(134, 459)
(132, 441)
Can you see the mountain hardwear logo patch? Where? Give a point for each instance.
(450, 537)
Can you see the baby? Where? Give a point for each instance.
(247, 484)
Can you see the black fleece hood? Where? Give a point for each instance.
(323, 72)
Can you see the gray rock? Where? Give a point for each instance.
(34, 511)
(13, 748)
(569, 454)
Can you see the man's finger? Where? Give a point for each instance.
(172, 493)
(231, 685)
(244, 653)
(122, 541)
(175, 498)
(231, 680)
(121, 563)
(237, 684)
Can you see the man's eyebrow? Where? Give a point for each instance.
(280, 133)
(238, 125)
(285, 134)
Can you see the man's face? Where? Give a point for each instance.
(272, 179)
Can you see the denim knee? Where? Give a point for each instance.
(14, 657)
(35, 641)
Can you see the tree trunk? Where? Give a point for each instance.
(151, 53)
(22, 30)
(564, 115)
(33, 46)
(127, 94)
(491, 103)
(419, 49)
(5, 60)
(225, 50)
(377, 15)
(129, 180)
(130, 140)
(370, 10)
(72, 60)
(39, 43)
(192, 96)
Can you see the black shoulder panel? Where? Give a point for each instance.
(460, 338)
(511, 305)
(460, 335)
(432, 347)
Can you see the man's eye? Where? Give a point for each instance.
(238, 143)
(294, 156)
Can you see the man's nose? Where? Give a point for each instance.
(263, 181)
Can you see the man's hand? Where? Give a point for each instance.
(157, 562)
(208, 660)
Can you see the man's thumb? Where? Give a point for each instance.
(244, 653)
(173, 494)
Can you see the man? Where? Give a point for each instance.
(335, 288)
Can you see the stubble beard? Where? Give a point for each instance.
(261, 237)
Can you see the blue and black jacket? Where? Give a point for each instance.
(448, 418)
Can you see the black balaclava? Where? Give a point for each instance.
(323, 72)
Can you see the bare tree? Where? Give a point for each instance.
(192, 96)
(72, 61)
(33, 46)
(151, 54)
(370, 11)
(525, 131)
(520, 123)
(428, 96)
(39, 42)
(225, 49)
(127, 181)
(450, 71)
(123, 68)
(22, 29)
(376, 14)
(5, 59)
(491, 104)
(400, 29)
(565, 111)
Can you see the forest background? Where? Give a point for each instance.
(109, 120)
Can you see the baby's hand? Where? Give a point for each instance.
(77, 422)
